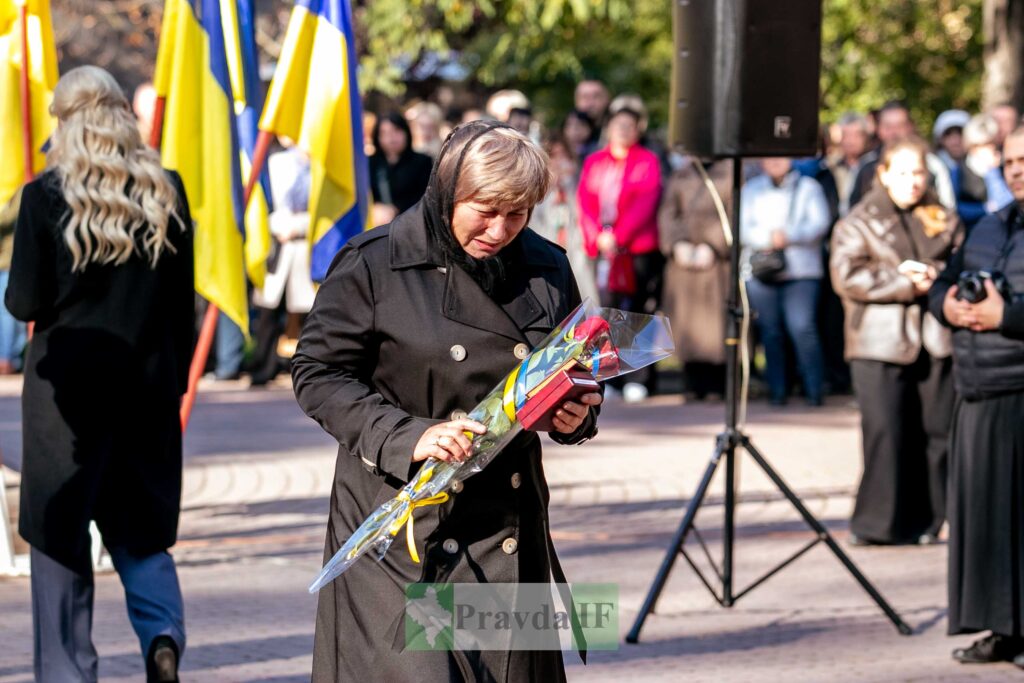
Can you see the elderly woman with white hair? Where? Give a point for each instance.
(103, 264)
(416, 322)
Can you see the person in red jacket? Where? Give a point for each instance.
(618, 197)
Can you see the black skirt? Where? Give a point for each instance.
(986, 516)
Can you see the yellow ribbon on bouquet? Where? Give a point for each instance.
(406, 519)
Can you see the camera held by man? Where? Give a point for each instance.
(970, 286)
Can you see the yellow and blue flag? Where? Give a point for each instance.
(314, 100)
(240, 44)
(42, 77)
(200, 142)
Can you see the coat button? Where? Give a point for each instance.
(517, 479)
(451, 546)
(458, 415)
(456, 486)
(458, 352)
(521, 351)
(510, 546)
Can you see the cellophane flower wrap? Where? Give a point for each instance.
(606, 342)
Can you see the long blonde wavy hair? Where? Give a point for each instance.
(120, 199)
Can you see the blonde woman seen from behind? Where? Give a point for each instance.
(103, 265)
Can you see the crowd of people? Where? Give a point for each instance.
(886, 264)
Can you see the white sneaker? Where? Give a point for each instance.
(634, 392)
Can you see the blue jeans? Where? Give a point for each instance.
(789, 307)
(230, 348)
(62, 607)
(12, 332)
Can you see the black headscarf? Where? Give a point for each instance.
(439, 204)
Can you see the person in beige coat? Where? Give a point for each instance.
(697, 273)
(885, 255)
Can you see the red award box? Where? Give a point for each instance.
(568, 384)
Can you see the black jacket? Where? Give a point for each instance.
(396, 342)
(105, 371)
(989, 363)
(403, 184)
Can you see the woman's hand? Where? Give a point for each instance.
(779, 239)
(571, 415)
(447, 441)
(703, 257)
(606, 243)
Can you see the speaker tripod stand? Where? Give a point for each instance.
(726, 445)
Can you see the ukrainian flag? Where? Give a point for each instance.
(314, 100)
(243, 67)
(42, 76)
(200, 142)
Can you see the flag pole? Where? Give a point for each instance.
(199, 358)
(202, 352)
(26, 93)
(206, 332)
(156, 130)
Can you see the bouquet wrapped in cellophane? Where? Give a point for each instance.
(592, 344)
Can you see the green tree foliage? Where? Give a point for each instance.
(926, 52)
(540, 46)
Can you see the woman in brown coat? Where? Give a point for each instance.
(697, 273)
(885, 255)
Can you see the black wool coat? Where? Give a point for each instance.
(104, 374)
(395, 343)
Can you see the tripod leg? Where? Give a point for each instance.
(823, 533)
(672, 554)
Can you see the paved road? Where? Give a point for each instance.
(257, 479)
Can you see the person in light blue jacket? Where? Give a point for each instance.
(780, 210)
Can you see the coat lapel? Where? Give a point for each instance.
(466, 303)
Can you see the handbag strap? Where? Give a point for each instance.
(792, 200)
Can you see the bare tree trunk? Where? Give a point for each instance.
(1004, 53)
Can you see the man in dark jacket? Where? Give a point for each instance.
(986, 503)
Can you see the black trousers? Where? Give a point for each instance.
(986, 516)
(704, 378)
(649, 271)
(905, 416)
(267, 329)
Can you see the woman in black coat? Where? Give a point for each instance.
(103, 264)
(398, 175)
(416, 322)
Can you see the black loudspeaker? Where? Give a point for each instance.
(745, 77)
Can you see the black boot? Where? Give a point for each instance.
(162, 661)
(991, 648)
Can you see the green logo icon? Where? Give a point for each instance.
(429, 609)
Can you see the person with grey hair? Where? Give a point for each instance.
(416, 322)
(854, 143)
